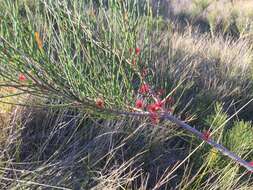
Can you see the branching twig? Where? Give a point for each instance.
(194, 131)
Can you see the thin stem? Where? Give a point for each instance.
(194, 131)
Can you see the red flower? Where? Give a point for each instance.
(159, 103)
(100, 103)
(154, 118)
(251, 165)
(155, 107)
(137, 51)
(21, 77)
(130, 50)
(206, 135)
(152, 108)
(144, 89)
(139, 104)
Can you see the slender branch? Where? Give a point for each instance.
(194, 131)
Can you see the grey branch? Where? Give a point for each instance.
(197, 133)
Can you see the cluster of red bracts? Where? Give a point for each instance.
(251, 165)
(145, 92)
(144, 89)
(137, 53)
(155, 107)
(21, 77)
(100, 103)
(206, 135)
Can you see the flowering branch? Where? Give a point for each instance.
(204, 137)
(155, 111)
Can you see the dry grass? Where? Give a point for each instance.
(213, 68)
(6, 111)
(218, 17)
(218, 65)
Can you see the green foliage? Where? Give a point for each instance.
(217, 121)
(237, 137)
(199, 6)
(92, 62)
(212, 20)
(202, 4)
(240, 138)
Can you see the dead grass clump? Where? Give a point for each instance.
(65, 149)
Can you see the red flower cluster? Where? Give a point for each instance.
(146, 92)
(139, 104)
(144, 89)
(206, 135)
(137, 51)
(153, 109)
(100, 103)
(155, 106)
(21, 77)
(251, 165)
